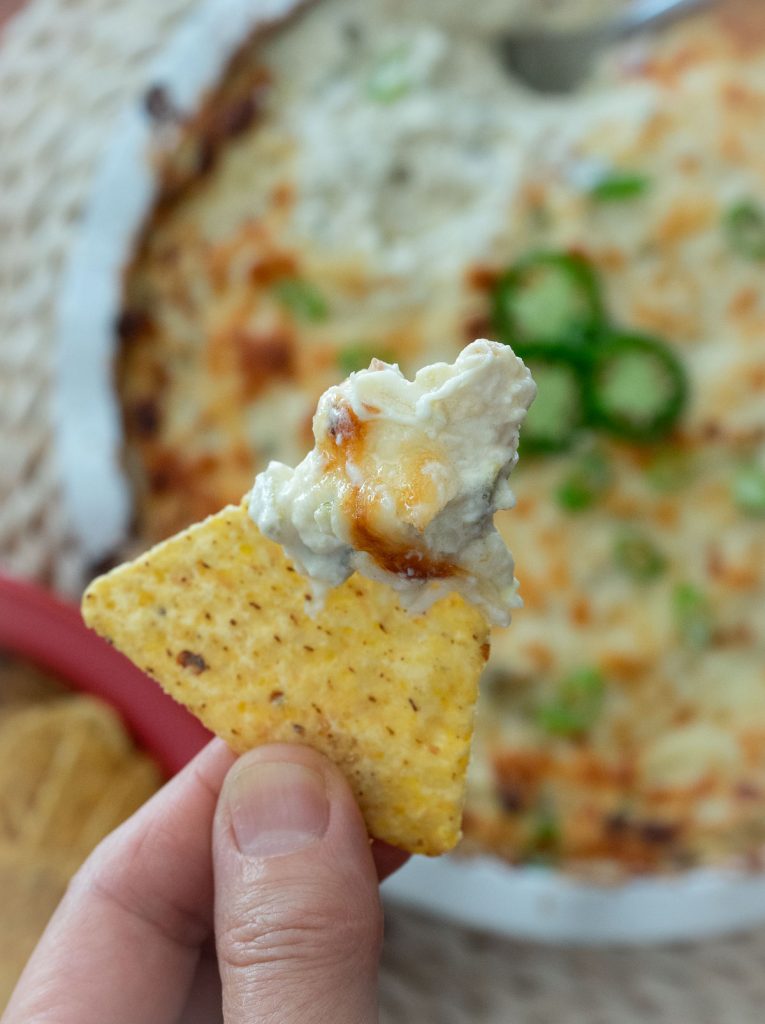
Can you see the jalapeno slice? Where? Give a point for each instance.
(557, 413)
(547, 296)
(636, 387)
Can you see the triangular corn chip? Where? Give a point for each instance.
(217, 615)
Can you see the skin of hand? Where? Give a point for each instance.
(264, 860)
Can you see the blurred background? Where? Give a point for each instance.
(203, 226)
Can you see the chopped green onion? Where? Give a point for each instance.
(544, 836)
(637, 387)
(670, 469)
(391, 77)
(587, 482)
(358, 357)
(558, 411)
(638, 557)
(547, 296)
(620, 185)
(745, 227)
(576, 705)
(302, 300)
(749, 489)
(692, 615)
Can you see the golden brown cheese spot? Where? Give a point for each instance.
(249, 256)
(348, 441)
(539, 655)
(481, 277)
(581, 610)
(132, 323)
(401, 560)
(170, 470)
(685, 220)
(262, 357)
(667, 69)
(610, 259)
(145, 416)
(519, 775)
(625, 667)
(477, 325)
(227, 113)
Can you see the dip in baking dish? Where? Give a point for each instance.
(368, 183)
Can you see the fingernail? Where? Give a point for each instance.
(276, 808)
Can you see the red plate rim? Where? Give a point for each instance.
(49, 632)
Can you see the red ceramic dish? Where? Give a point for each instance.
(38, 626)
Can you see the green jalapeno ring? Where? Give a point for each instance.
(636, 387)
(548, 296)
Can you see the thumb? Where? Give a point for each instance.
(297, 912)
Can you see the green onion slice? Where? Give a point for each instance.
(749, 489)
(544, 835)
(636, 555)
(391, 77)
(636, 389)
(359, 356)
(744, 226)
(692, 615)
(558, 410)
(576, 705)
(302, 300)
(620, 185)
(588, 480)
(547, 296)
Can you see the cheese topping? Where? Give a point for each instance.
(404, 480)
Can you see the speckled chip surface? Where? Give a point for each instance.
(218, 617)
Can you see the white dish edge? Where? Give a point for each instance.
(95, 492)
(547, 906)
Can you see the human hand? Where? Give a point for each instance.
(269, 856)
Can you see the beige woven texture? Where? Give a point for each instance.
(66, 68)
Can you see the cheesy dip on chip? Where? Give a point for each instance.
(404, 481)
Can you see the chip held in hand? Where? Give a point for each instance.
(224, 621)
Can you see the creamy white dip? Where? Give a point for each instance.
(404, 480)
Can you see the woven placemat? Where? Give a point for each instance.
(435, 974)
(66, 68)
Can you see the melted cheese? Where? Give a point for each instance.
(404, 481)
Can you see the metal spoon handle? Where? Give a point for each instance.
(645, 13)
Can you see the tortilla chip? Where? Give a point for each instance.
(217, 616)
(32, 885)
(68, 775)
(93, 755)
(135, 783)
